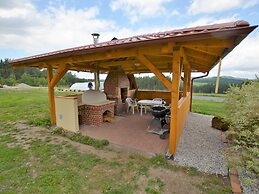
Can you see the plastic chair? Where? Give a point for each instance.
(131, 104)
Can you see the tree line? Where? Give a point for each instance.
(203, 85)
(38, 77)
(31, 76)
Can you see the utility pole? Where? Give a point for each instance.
(218, 77)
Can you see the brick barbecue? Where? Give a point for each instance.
(116, 87)
(94, 108)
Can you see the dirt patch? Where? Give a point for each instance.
(29, 165)
(31, 133)
(174, 181)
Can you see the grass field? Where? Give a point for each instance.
(33, 160)
(212, 95)
(208, 107)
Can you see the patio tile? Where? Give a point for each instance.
(129, 131)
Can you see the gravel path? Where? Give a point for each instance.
(210, 98)
(201, 146)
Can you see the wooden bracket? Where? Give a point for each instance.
(61, 71)
(154, 70)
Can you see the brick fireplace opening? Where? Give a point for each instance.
(107, 116)
(124, 94)
(116, 88)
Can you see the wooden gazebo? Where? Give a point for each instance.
(180, 52)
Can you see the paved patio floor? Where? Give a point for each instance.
(129, 131)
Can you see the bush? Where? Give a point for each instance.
(10, 81)
(242, 109)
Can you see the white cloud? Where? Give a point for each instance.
(207, 6)
(212, 20)
(54, 28)
(58, 27)
(136, 9)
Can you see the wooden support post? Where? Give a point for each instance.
(52, 81)
(97, 79)
(174, 99)
(154, 70)
(51, 95)
(189, 71)
(185, 81)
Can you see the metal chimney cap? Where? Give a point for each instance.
(95, 35)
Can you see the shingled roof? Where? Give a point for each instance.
(235, 31)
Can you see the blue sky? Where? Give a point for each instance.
(29, 27)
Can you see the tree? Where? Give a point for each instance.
(5, 68)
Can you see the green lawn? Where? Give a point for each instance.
(212, 95)
(34, 160)
(208, 107)
(24, 104)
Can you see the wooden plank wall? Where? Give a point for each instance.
(183, 110)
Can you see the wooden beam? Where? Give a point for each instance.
(86, 67)
(217, 51)
(185, 81)
(61, 71)
(217, 43)
(99, 56)
(168, 48)
(199, 68)
(51, 95)
(204, 61)
(154, 70)
(174, 100)
(213, 52)
(118, 63)
(189, 79)
(199, 55)
(185, 60)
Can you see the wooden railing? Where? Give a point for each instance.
(183, 110)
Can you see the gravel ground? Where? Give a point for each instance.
(248, 188)
(210, 98)
(201, 146)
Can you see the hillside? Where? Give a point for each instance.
(223, 79)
